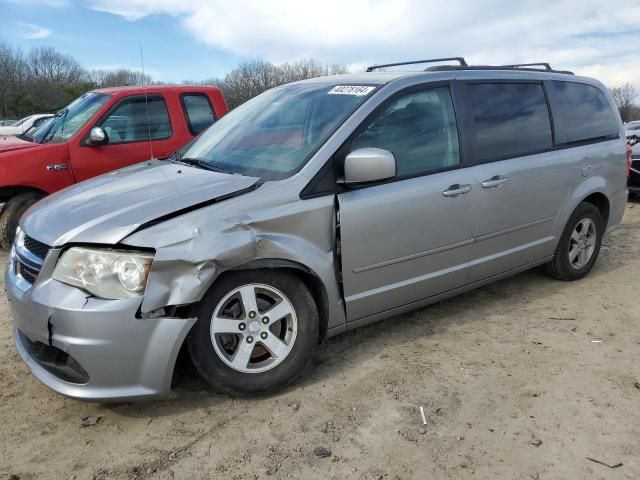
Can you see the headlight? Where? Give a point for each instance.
(109, 274)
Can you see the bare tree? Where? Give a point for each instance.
(119, 78)
(14, 72)
(625, 96)
(254, 77)
(45, 80)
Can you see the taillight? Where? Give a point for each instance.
(628, 160)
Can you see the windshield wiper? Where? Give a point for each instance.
(196, 162)
(61, 113)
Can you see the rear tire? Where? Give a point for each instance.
(579, 244)
(236, 350)
(11, 213)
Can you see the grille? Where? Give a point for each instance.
(39, 249)
(28, 273)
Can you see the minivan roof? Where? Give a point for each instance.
(382, 78)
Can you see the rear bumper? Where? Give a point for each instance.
(89, 348)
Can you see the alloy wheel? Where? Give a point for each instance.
(582, 243)
(253, 328)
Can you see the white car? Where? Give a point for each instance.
(632, 128)
(25, 124)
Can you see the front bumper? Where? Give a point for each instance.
(90, 348)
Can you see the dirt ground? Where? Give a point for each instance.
(522, 379)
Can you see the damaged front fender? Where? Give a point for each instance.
(192, 250)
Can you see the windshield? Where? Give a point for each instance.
(274, 134)
(71, 119)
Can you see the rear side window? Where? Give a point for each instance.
(583, 111)
(511, 120)
(198, 111)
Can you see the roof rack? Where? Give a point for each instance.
(525, 65)
(461, 60)
(463, 65)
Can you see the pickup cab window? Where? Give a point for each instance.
(138, 119)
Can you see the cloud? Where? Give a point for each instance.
(31, 31)
(587, 36)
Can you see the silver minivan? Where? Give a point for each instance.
(315, 208)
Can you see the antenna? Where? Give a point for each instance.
(146, 102)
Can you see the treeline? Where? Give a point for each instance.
(625, 98)
(45, 80)
(254, 77)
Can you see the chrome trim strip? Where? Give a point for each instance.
(20, 282)
(413, 256)
(489, 236)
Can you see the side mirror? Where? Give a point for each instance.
(369, 165)
(98, 136)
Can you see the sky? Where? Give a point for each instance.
(200, 39)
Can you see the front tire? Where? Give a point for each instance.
(579, 244)
(256, 332)
(11, 213)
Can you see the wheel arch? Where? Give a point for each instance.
(8, 192)
(602, 203)
(310, 278)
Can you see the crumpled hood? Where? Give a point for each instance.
(108, 208)
(9, 142)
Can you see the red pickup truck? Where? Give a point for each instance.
(100, 131)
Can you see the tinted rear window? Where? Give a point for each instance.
(199, 112)
(511, 120)
(583, 111)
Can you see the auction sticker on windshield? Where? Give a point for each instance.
(357, 90)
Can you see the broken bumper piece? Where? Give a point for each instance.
(89, 348)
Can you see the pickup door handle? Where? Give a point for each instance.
(494, 182)
(457, 189)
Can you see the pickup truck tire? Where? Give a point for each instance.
(11, 213)
(579, 244)
(237, 348)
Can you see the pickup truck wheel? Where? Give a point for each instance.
(11, 214)
(256, 332)
(579, 244)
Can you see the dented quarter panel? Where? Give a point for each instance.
(192, 250)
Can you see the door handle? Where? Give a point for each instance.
(457, 189)
(494, 182)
